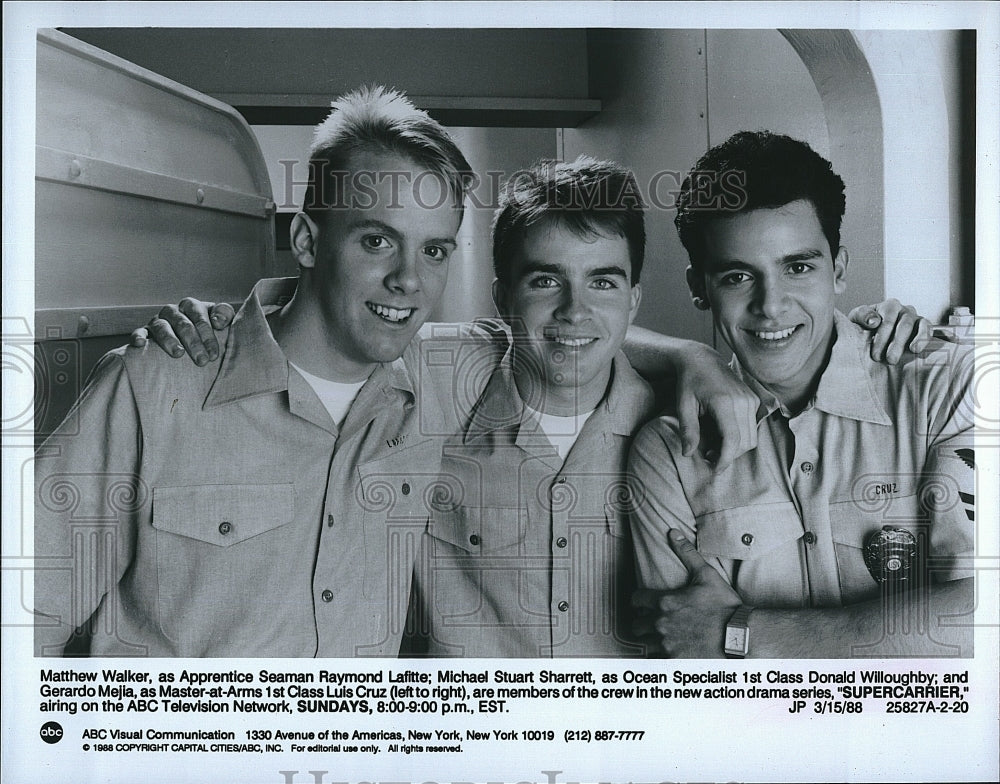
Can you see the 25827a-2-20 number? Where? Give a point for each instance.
(927, 706)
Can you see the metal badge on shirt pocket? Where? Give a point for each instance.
(877, 500)
(891, 556)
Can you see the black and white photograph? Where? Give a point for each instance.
(429, 391)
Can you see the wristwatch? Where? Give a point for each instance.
(737, 642)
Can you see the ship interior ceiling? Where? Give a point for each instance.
(159, 150)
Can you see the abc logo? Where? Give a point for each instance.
(51, 732)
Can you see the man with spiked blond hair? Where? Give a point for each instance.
(268, 551)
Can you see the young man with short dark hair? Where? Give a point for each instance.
(534, 557)
(854, 509)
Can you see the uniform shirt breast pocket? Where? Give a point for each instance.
(853, 522)
(471, 546)
(479, 530)
(757, 547)
(213, 546)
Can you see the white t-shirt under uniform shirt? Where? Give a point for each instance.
(335, 396)
(562, 431)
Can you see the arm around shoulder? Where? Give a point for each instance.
(716, 411)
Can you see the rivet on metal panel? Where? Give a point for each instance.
(200, 196)
(74, 168)
(82, 325)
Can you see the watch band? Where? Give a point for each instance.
(737, 640)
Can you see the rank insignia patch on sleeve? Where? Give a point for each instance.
(968, 457)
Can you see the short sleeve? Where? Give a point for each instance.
(660, 504)
(85, 476)
(948, 487)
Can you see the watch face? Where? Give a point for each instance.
(736, 640)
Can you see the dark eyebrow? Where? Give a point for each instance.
(442, 241)
(725, 265)
(531, 267)
(370, 224)
(613, 270)
(804, 255)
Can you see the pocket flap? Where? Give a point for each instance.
(222, 515)
(748, 532)
(852, 522)
(478, 529)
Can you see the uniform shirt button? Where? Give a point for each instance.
(747, 539)
(225, 528)
(807, 467)
(474, 540)
(406, 488)
(327, 595)
(810, 537)
(563, 606)
(329, 521)
(561, 541)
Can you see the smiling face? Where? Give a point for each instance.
(374, 269)
(771, 282)
(569, 301)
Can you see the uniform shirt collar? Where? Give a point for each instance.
(254, 364)
(629, 401)
(500, 406)
(845, 388)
